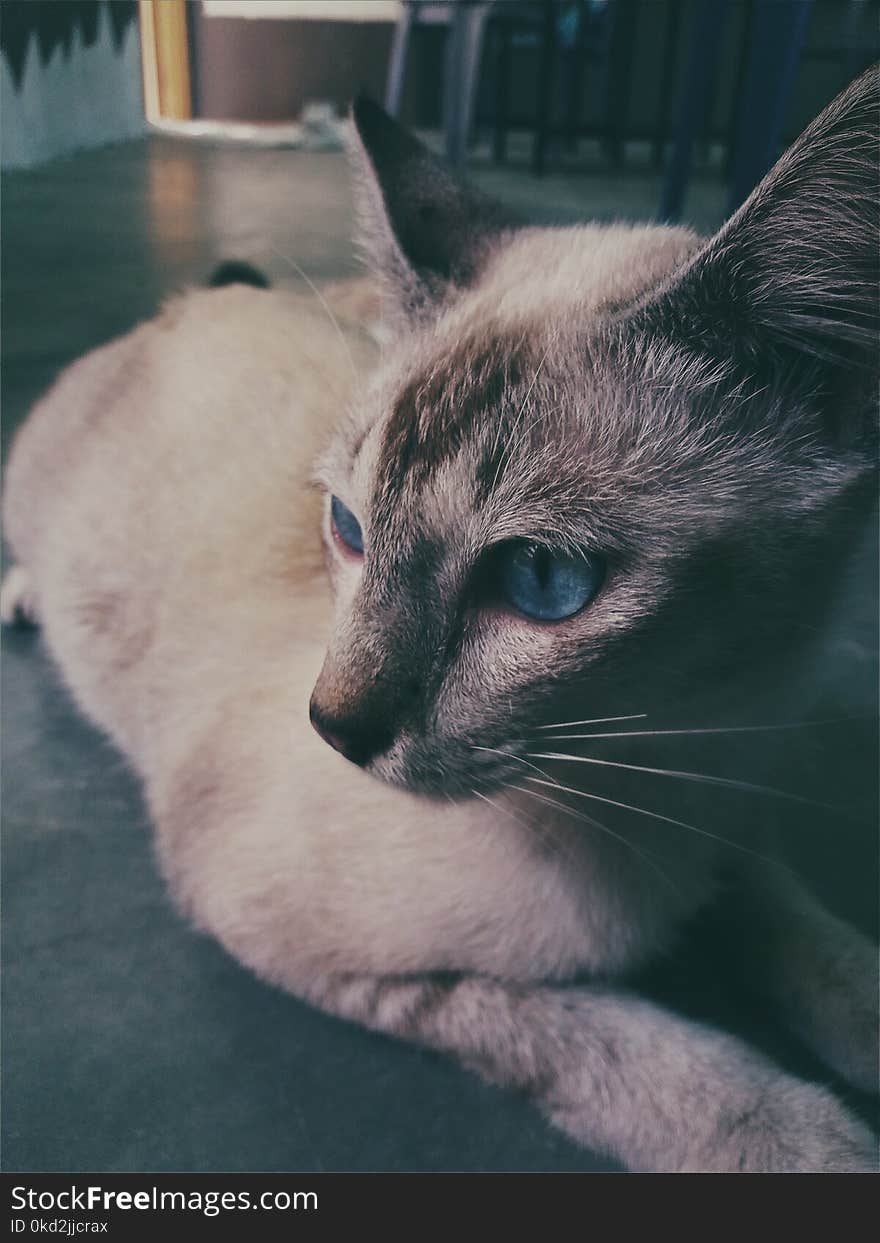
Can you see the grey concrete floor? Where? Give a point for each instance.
(129, 1042)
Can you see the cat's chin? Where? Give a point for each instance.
(423, 784)
(435, 781)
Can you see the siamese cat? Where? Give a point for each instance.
(596, 480)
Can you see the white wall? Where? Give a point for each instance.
(321, 10)
(90, 98)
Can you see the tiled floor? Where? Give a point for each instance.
(129, 1042)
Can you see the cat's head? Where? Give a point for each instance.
(598, 468)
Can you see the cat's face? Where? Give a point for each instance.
(554, 502)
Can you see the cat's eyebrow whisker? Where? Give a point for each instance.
(584, 818)
(531, 388)
(732, 783)
(718, 729)
(506, 455)
(326, 306)
(598, 720)
(496, 439)
(515, 444)
(656, 815)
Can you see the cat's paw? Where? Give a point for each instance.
(741, 1116)
(18, 605)
(794, 1128)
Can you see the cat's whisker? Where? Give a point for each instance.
(565, 848)
(656, 815)
(323, 301)
(732, 783)
(577, 815)
(509, 755)
(598, 720)
(574, 814)
(718, 729)
(546, 840)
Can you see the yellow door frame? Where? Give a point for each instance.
(165, 60)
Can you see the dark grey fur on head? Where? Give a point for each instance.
(796, 269)
(423, 227)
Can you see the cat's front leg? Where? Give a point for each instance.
(618, 1074)
(818, 971)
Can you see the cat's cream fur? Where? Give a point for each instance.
(159, 506)
(189, 638)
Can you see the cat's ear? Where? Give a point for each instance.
(794, 273)
(425, 231)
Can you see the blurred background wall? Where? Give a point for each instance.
(266, 61)
(249, 66)
(559, 73)
(70, 77)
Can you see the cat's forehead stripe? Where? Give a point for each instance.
(438, 413)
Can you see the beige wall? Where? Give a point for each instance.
(267, 70)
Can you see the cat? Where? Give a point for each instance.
(588, 475)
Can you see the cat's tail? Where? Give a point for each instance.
(18, 604)
(237, 272)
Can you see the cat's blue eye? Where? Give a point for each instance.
(346, 526)
(544, 583)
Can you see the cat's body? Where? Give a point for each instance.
(164, 646)
(159, 509)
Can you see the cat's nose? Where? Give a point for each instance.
(358, 739)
